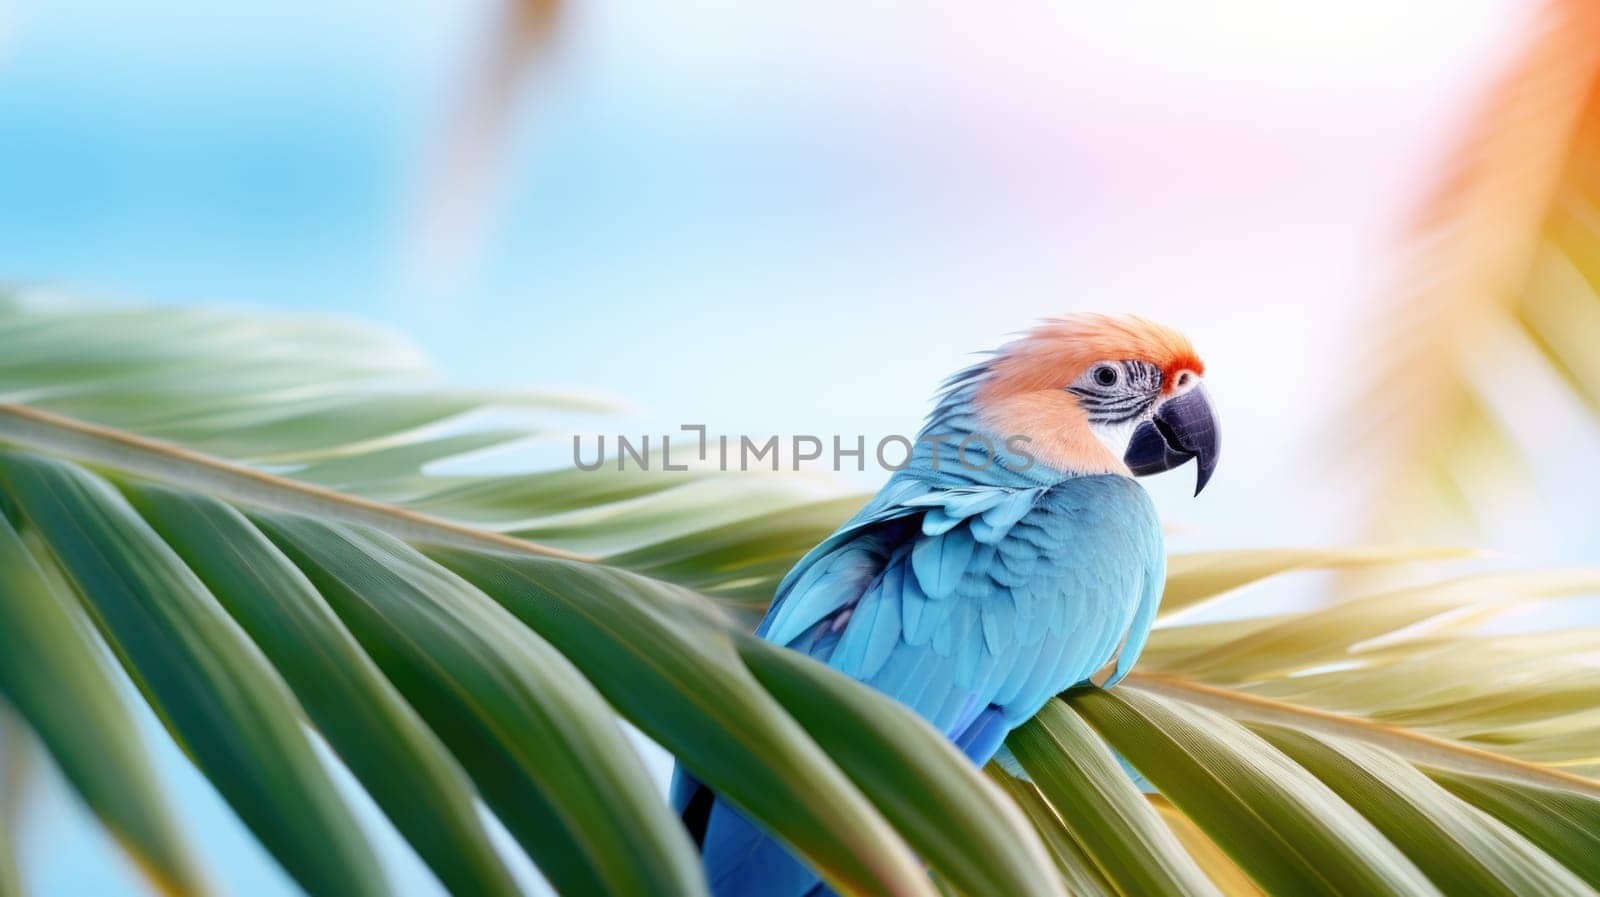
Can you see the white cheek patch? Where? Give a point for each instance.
(1115, 437)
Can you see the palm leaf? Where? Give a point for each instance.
(53, 675)
(1216, 863)
(1292, 833)
(14, 778)
(1079, 776)
(466, 641)
(1502, 265)
(222, 703)
(459, 194)
(343, 692)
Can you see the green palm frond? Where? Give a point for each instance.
(247, 516)
(14, 778)
(1346, 749)
(357, 419)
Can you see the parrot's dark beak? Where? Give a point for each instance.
(1183, 427)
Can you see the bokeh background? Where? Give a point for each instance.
(789, 217)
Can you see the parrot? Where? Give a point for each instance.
(1013, 556)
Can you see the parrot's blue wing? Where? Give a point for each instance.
(972, 605)
(834, 575)
(953, 600)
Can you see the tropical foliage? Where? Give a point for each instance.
(1498, 300)
(249, 517)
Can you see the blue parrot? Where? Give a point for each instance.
(1006, 562)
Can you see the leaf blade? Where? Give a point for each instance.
(539, 741)
(1197, 578)
(1281, 825)
(1099, 805)
(53, 676)
(222, 702)
(1563, 824)
(1461, 850)
(691, 693)
(371, 727)
(1082, 876)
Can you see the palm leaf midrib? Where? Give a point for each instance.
(128, 453)
(1415, 746)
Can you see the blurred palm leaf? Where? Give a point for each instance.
(14, 760)
(266, 564)
(456, 208)
(1504, 265)
(352, 413)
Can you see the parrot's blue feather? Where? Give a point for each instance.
(999, 623)
(1041, 653)
(885, 635)
(832, 582)
(905, 670)
(984, 735)
(941, 561)
(944, 634)
(931, 693)
(937, 522)
(960, 503)
(957, 712)
(866, 645)
(914, 609)
(1039, 683)
(1143, 619)
(966, 642)
(972, 597)
(1056, 614)
(741, 859)
(996, 522)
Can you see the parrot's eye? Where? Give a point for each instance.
(1105, 375)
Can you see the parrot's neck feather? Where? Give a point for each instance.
(954, 444)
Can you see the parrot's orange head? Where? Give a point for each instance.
(1103, 394)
